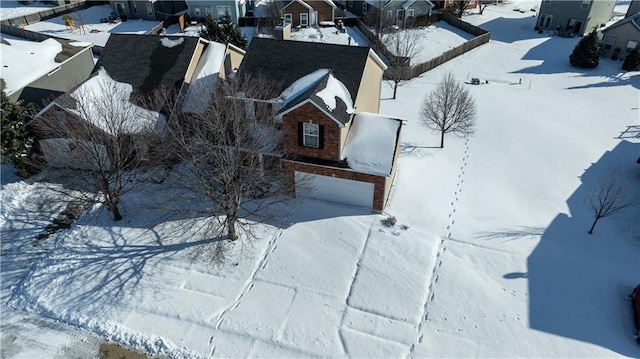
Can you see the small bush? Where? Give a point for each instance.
(389, 221)
(632, 60)
(586, 54)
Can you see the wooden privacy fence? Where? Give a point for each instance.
(481, 36)
(38, 37)
(49, 13)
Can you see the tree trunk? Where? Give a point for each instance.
(116, 212)
(442, 139)
(232, 235)
(593, 225)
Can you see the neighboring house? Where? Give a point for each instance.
(219, 8)
(634, 8)
(623, 35)
(396, 12)
(147, 9)
(186, 66)
(335, 145)
(453, 4)
(574, 17)
(309, 13)
(400, 12)
(37, 72)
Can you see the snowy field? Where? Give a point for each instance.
(93, 30)
(496, 260)
(10, 9)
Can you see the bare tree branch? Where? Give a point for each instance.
(450, 108)
(405, 45)
(94, 140)
(609, 197)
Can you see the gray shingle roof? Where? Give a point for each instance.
(144, 62)
(285, 61)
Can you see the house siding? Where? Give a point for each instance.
(622, 34)
(237, 9)
(231, 62)
(634, 8)
(598, 12)
(72, 72)
(295, 9)
(380, 189)
(331, 134)
(325, 11)
(368, 98)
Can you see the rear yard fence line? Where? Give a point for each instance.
(481, 37)
(49, 13)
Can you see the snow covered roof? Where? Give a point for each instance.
(25, 61)
(372, 142)
(130, 118)
(285, 62)
(205, 76)
(633, 19)
(323, 89)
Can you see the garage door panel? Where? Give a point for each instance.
(334, 189)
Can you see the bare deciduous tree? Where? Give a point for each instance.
(273, 16)
(482, 4)
(230, 158)
(609, 197)
(405, 45)
(461, 5)
(449, 109)
(94, 140)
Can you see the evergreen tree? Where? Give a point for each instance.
(632, 60)
(224, 31)
(586, 54)
(16, 140)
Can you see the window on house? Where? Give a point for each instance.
(630, 46)
(288, 19)
(196, 11)
(608, 44)
(364, 8)
(223, 11)
(150, 9)
(410, 13)
(585, 4)
(545, 21)
(350, 3)
(389, 14)
(311, 135)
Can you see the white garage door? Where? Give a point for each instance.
(334, 189)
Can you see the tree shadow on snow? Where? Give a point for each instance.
(578, 282)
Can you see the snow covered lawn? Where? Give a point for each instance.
(93, 30)
(494, 259)
(10, 9)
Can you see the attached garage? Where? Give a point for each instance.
(334, 189)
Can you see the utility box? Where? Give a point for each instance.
(475, 81)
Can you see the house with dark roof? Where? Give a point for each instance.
(138, 66)
(37, 72)
(308, 13)
(619, 38)
(335, 145)
(392, 12)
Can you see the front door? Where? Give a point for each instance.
(304, 19)
(400, 19)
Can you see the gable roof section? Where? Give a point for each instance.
(634, 20)
(322, 90)
(147, 61)
(286, 61)
(299, 2)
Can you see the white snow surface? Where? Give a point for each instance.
(171, 42)
(93, 30)
(135, 119)
(10, 9)
(490, 256)
(371, 143)
(25, 61)
(335, 90)
(205, 77)
(301, 85)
